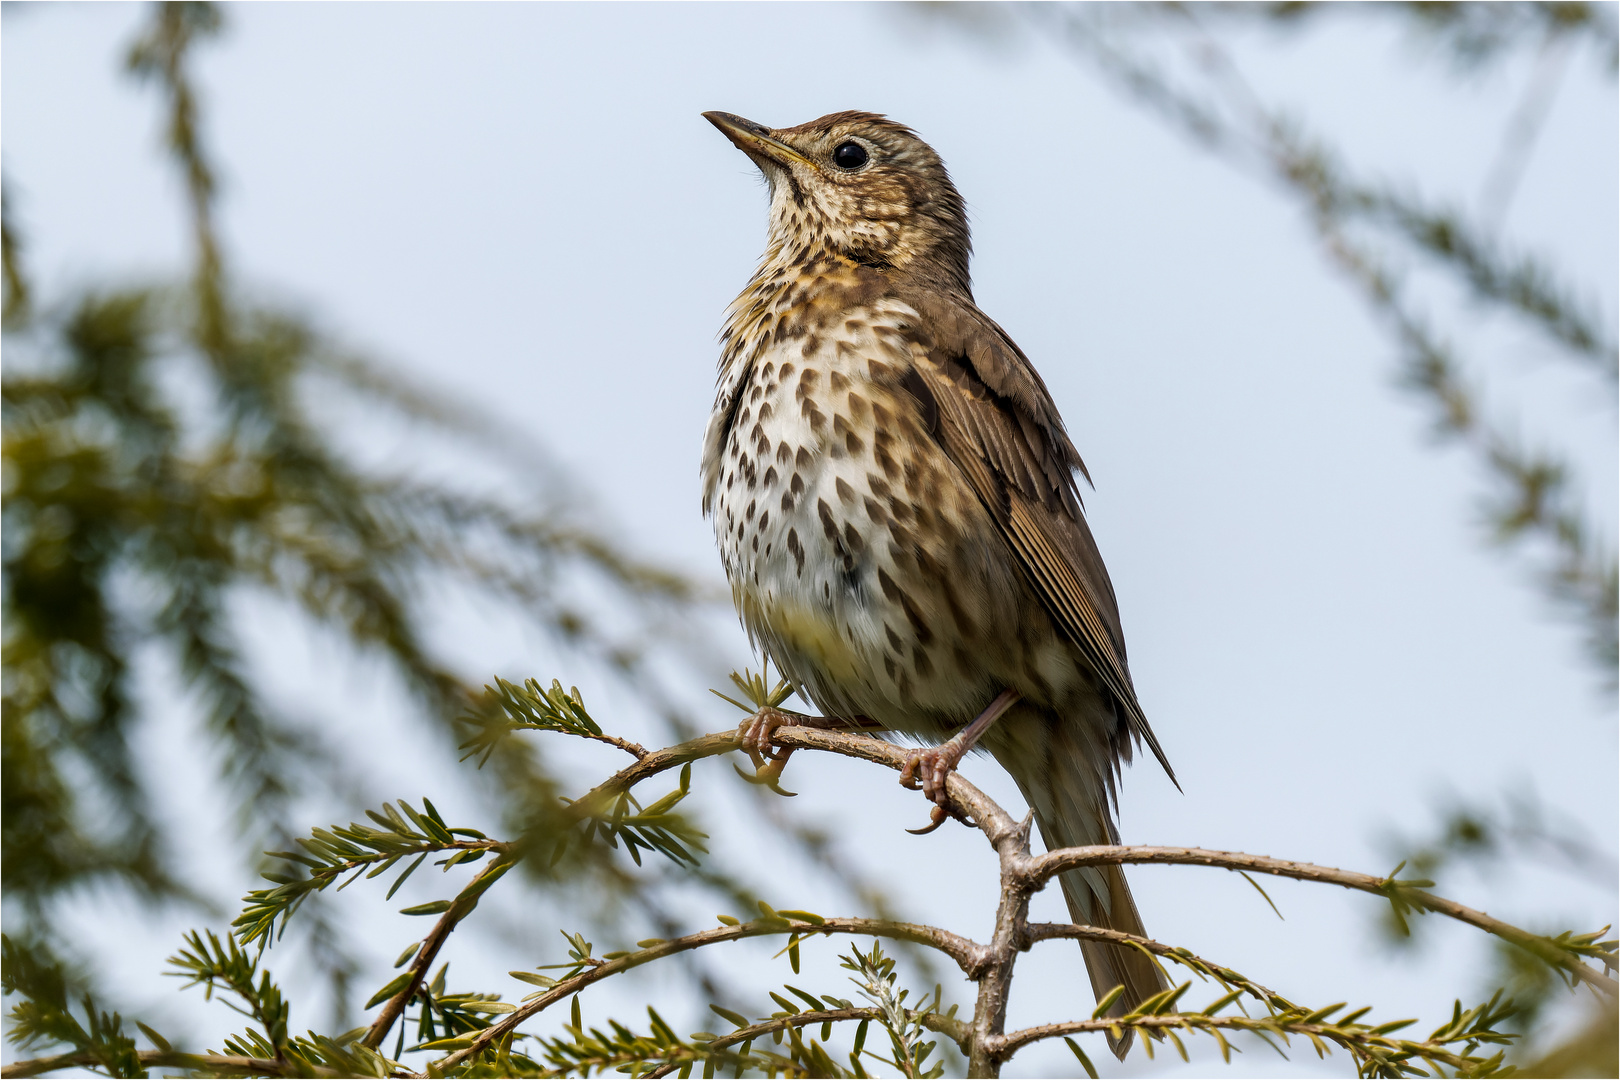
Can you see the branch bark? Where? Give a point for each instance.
(163, 1059)
(968, 955)
(1074, 931)
(1174, 1022)
(647, 765)
(1011, 936)
(945, 1025)
(1053, 863)
(459, 909)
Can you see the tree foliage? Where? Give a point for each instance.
(477, 1033)
(167, 467)
(165, 464)
(1394, 244)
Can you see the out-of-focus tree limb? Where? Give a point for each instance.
(1166, 57)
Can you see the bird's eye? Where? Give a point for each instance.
(850, 155)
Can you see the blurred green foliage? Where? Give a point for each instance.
(1395, 245)
(164, 470)
(1494, 839)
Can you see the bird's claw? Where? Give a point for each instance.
(928, 770)
(936, 818)
(769, 761)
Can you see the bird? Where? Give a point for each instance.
(894, 497)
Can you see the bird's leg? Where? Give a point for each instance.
(929, 767)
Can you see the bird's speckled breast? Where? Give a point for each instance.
(855, 558)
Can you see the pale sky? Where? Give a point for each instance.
(521, 204)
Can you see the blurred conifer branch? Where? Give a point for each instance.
(1169, 57)
(477, 1033)
(138, 515)
(1500, 841)
(17, 298)
(1471, 35)
(1473, 831)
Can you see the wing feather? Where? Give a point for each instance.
(999, 425)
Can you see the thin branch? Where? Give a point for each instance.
(647, 765)
(228, 1064)
(163, 54)
(1035, 932)
(933, 1021)
(634, 749)
(1045, 867)
(967, 954)
(1352, 1039)
(459, 909)
(658, 761)
(990, 819)
(1524, 125)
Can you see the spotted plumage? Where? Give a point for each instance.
(894, 500)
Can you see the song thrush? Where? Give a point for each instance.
(894, 498)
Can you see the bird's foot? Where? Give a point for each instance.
(930, 767)
(927, 770)
(769, 761)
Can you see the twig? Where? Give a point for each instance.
(165, 1059)
(1347, 1038)
(1524, 125)
(647, 765)
(652, 764)
(1035, 932)
(1045, 867)
(967, 954)
(459, 909)
(634, 749)
(933, 1021)
(996, 824)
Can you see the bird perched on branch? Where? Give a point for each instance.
(894, 498)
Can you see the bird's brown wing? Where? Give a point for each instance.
(999, 425)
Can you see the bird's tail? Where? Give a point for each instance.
(1113, 965)
(1063, 783)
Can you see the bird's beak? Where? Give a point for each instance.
(756, 140)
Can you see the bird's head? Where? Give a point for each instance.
(858, 185)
